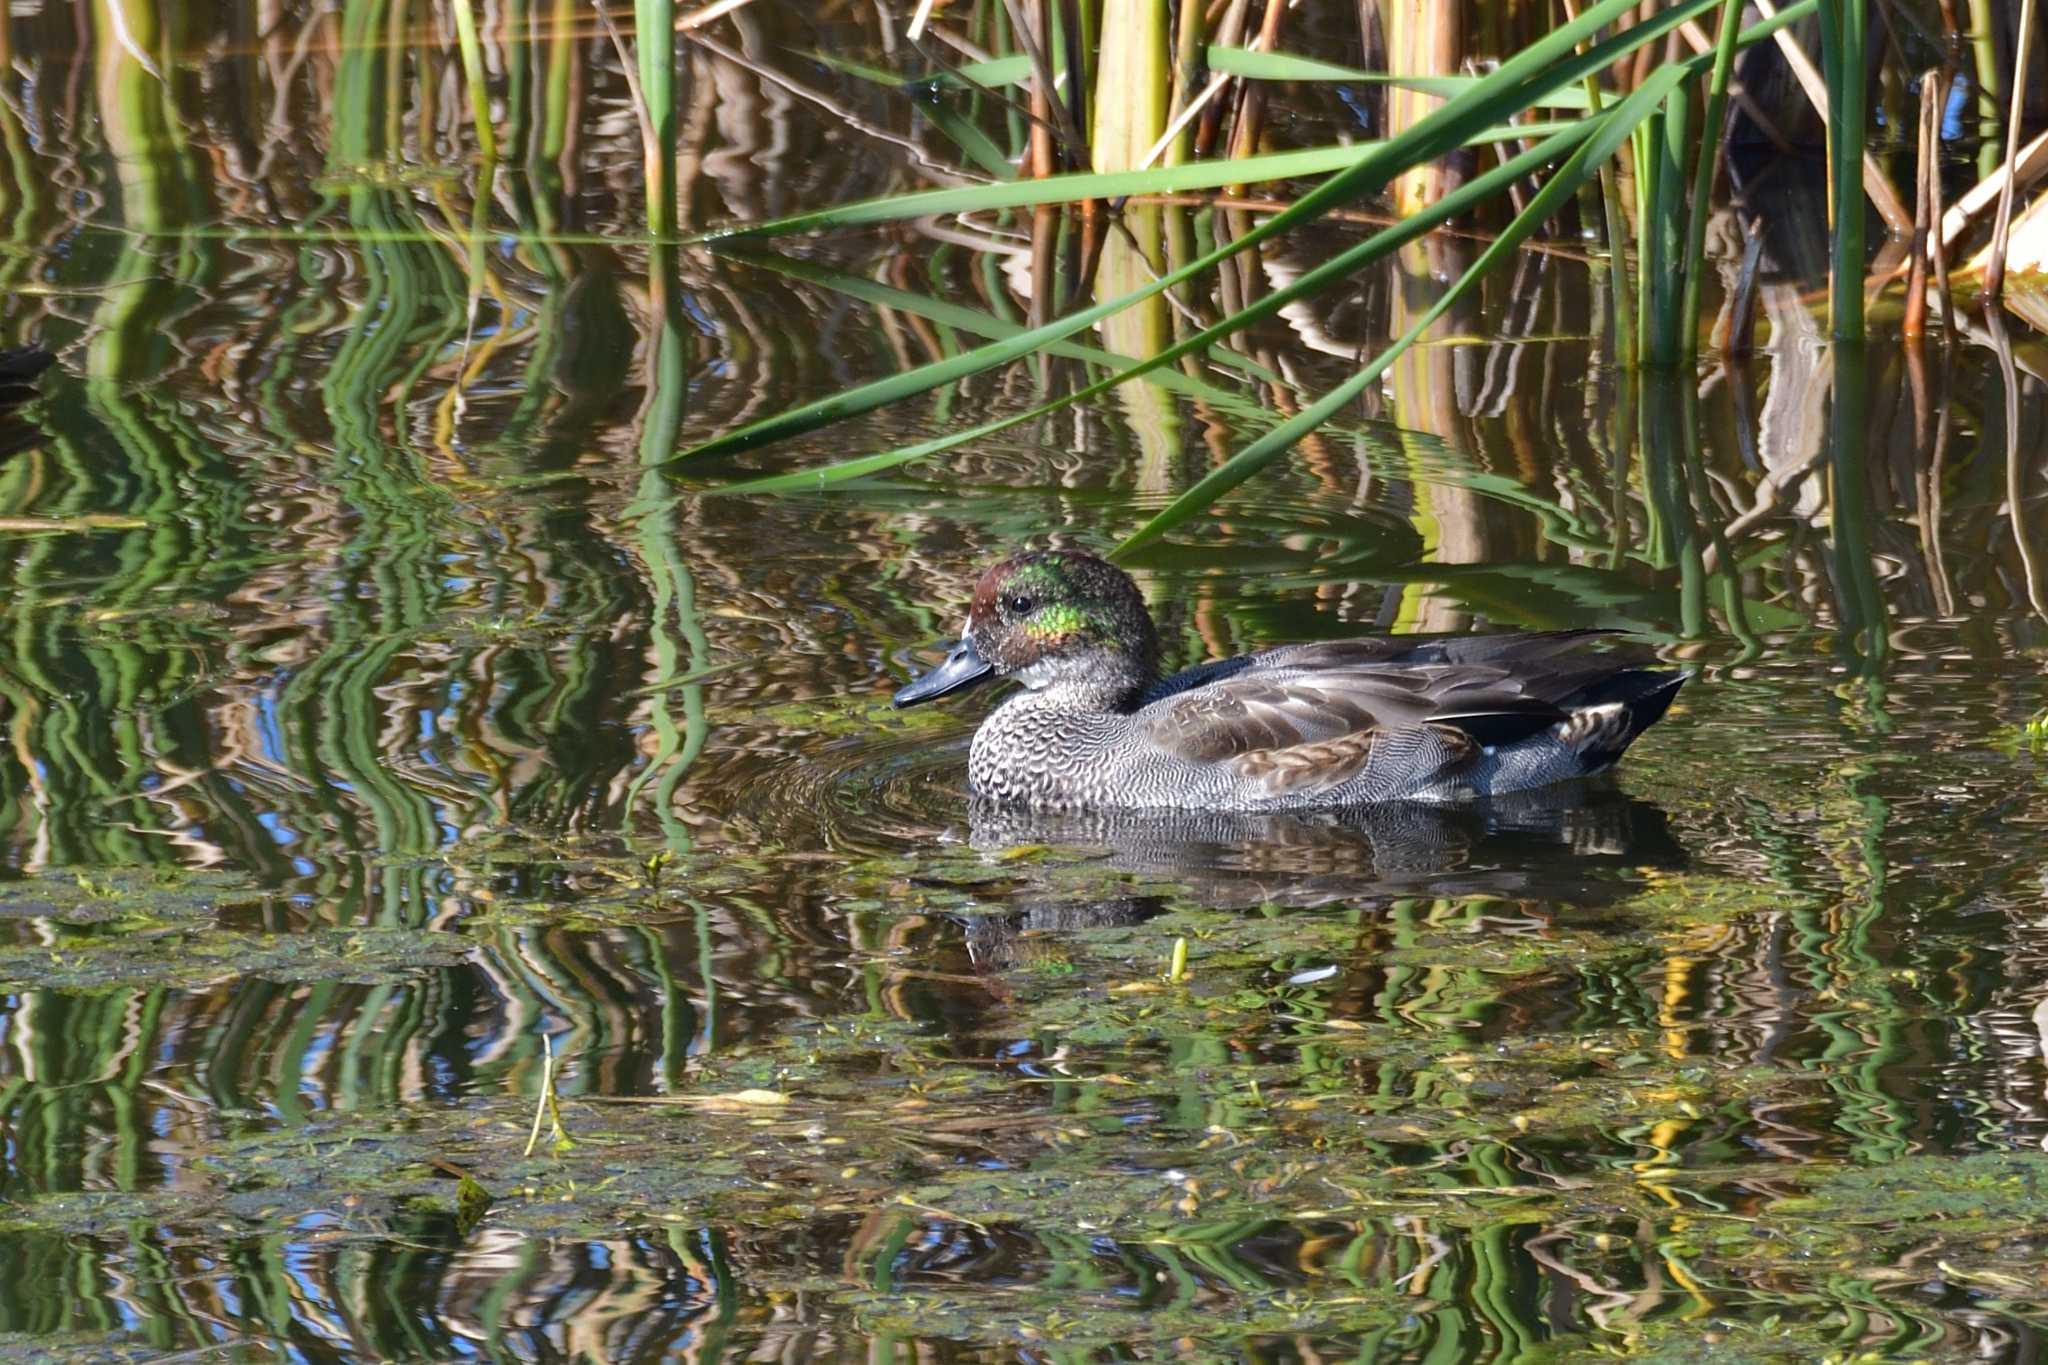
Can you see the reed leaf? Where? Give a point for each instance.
(1084, 185)
(973, 143)
(473, 76)
(1376, 247)
(1013, 69)
(1844, 40)
(1541, 66)
(1703, 178)
(1609, 134)
(1286, 66)
(1334, 269)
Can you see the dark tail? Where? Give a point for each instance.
(1644, 695)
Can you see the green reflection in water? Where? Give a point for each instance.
(401, 661)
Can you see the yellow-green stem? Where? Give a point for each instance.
(1703, 177)
(473, 73)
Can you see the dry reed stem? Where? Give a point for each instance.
(1229, 33)
(1031, 28)
(697, 18)
(2015, 489)
(117, 21)
(1251, 104)
(1923, 206)
(960, 45)
(2020, 172)
(1189, 115)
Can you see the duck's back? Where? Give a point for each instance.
(1348, 722)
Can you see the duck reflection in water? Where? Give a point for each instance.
(1581, 845)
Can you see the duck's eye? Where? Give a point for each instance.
(1018, 604)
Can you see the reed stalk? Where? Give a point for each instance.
(1845, 32)
(1187, 66)
(474, 76)
(1989, 82)
(2023, 46)
(1703, 178)
(1616, 221)
(654, 44)
(1663, 212)
(1424, 38)
(1926, 224)
(1134, 78)
(554, 132)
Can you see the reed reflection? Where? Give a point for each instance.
(395, 739)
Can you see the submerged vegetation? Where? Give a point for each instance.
(463, 893)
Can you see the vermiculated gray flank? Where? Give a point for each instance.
(1339, 723)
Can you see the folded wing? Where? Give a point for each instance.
(1305, 719)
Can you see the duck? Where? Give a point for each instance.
(1331, 723)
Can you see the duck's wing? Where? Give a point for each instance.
(1519, 650)
(1307, 718)
(1265, 709)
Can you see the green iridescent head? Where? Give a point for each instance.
(1057, 618)
(1067, 625)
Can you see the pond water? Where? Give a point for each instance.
(466, 895)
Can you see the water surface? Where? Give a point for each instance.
(394, 740)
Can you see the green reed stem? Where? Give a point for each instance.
(563, 53)
(654, 40)
(1583, 164)
(1541, 67)
(1645, 166)
(1703, 178)
(1844, 35)
(1663, 213)
(473, 75)
(1989, 81)
(1617, 247)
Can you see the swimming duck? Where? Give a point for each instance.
(1334, 723)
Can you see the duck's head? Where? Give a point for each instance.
(1060, 622)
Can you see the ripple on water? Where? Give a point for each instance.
(881, 794)
(870, 794)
